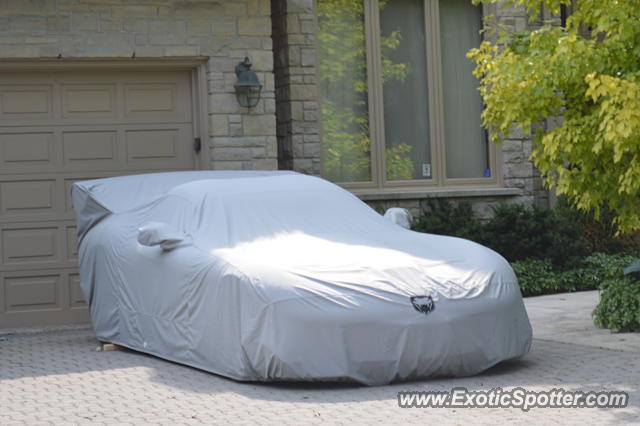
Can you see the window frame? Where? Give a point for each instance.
(435, 102)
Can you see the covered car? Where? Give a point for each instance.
(263, 276)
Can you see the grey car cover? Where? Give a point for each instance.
(282, 276)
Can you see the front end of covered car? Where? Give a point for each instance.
(300, 341)
(372, 315)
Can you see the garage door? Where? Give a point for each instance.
(60, 127)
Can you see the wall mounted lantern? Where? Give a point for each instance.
(248, 86)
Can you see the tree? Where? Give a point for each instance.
(588, 72)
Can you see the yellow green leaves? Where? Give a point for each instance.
(589, 73)
(618, 104)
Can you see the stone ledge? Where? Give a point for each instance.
(377, 195)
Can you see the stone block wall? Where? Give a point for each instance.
(294, 35)
(222, 31)
(519, 172)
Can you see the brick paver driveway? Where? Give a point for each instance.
(58, 377)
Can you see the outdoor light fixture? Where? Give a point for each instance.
(248, 86)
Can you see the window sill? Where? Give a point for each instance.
(381, 195)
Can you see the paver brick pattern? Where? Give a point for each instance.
(58, 377)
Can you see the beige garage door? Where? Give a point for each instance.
(60, 127)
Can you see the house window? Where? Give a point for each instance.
(399, 103)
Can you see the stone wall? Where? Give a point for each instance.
(519, 172)
(294, 32)
(223, 31)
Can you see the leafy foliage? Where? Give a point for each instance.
(519, 232)
(540, 276)
(603, 266)
(619, 307)
(599, 235)
(587, 72)
(446, 218)
(537, 276)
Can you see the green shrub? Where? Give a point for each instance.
(619, 307)
(605, 266)
(536, 277)
(519, 232)
(446, 218)
(592, 270)
(540, 276)
(515, 231)
(599, 235)
(579, 279)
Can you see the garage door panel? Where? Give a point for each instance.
(27, 196)
(152, 100)
(33, 245)
(153, 147)
(57, 128)
(38, 200)
(32, 292)
(26, 150)
(89, 101)
(26, 102)
(50, 296)
(38, 245)
(88, 148)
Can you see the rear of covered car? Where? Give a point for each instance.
(288, 277)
